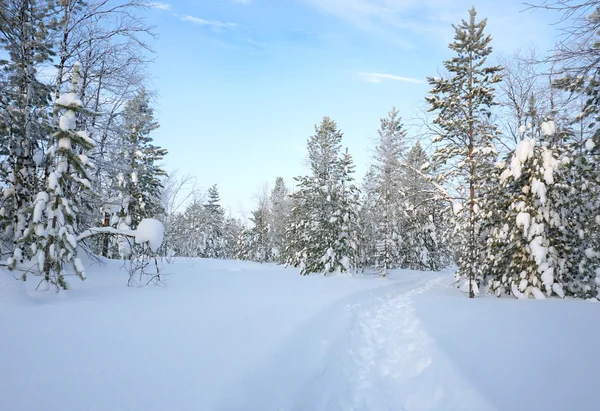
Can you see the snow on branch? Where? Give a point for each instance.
(149, 231)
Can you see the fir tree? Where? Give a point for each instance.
(424, 246)
(140, 179)
(388, 194)
(368, 221)
(213, 232)
(258, 247)
(462, 103)
(52, 234)
(232, 231)
(280, 213)
(322, 219)
(26, 36)
(191, 228)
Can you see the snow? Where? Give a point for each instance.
(38, 156)
(79, 267)
(523, 220)
(69, 100)
(548, 128)
(549, 164)
(12, 292)
(68, 121)
(523, 152)
(538, 294)
(539, 188)
(538, 251)
(589, 144)
(230, 335)
(40, 205)
(150, 231)
(53, 180)
(558, 290)
(65, 143)
(518, 360)
(86, 137)
(457, 207)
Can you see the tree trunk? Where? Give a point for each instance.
(471, 254)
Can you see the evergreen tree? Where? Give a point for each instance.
(191, 228)
(213, 232)
(280, 212)
(343, 254)
(322, 220)
(578, 60)
(424, 246)
(388, 207)
(52, 235)
(26, 37)
(140, 179)
(525, 252)
(462, 103)
(232, 231)
(257, 244)
(368, 221)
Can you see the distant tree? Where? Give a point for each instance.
(213, 231)
(280, 213)
(232, 230)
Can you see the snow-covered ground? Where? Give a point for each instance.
(230, 335)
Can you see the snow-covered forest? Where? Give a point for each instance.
(494, 190)
(508, 191)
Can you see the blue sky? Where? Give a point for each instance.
(242, 83)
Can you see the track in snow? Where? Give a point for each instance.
(368, 352)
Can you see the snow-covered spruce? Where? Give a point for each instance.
(322, 228)
(199, 231)
(51, 236)
(426, 226)
(387, 212)
(137, 178)
(533, 247)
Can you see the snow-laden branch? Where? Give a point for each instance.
(105, 230)
(149, 231)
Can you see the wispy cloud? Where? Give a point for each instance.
(399, 21)
(160, 6)
(379, 77)
(242, 1)
(215, 24)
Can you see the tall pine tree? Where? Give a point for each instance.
(465, 145)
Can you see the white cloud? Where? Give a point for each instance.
(215, 24)
(405, 22)
(379, 77)
(242, 1)
(161, 6)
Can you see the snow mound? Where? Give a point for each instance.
(150, 231)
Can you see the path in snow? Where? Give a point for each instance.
(368, 353)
